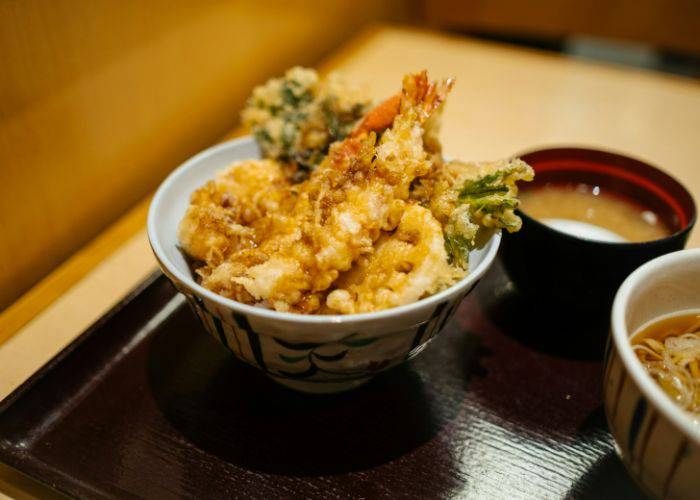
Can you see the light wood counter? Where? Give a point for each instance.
(506, 100)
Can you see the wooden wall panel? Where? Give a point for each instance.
(670, 24)
(100, 99)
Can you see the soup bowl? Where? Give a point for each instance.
(580, 273)
(312, 353)
(658, 442)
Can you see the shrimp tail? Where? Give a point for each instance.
(424, 96)
(417, 93)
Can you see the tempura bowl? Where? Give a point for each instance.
(658, 442)
(312, 353)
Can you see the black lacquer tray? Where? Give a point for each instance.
(505, 403)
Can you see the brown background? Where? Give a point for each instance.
(99, 100)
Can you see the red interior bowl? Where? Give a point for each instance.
(633, 180)
(581, 273)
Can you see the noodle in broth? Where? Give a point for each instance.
(669, 350)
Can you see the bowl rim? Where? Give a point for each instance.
(625, 245)
(620, 336)
(172, 271)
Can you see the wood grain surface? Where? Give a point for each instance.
(147, 404)
(506, 100)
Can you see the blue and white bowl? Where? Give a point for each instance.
(319, 354)
(658, 442)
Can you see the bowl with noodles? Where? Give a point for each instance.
(652, 374)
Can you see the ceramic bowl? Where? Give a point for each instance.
(658, 442)
(580, 273)
(319, 354)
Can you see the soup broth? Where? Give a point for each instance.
(588, 212)
(669, 350)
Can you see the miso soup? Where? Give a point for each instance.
(588, 212)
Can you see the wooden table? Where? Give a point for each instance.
(506, 100)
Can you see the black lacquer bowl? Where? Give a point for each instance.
(579, 274)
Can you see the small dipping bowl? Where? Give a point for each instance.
(572, 271)
(658, 442)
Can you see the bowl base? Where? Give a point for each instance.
(321, 387)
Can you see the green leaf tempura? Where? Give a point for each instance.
(492, 198)
(474, 200)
